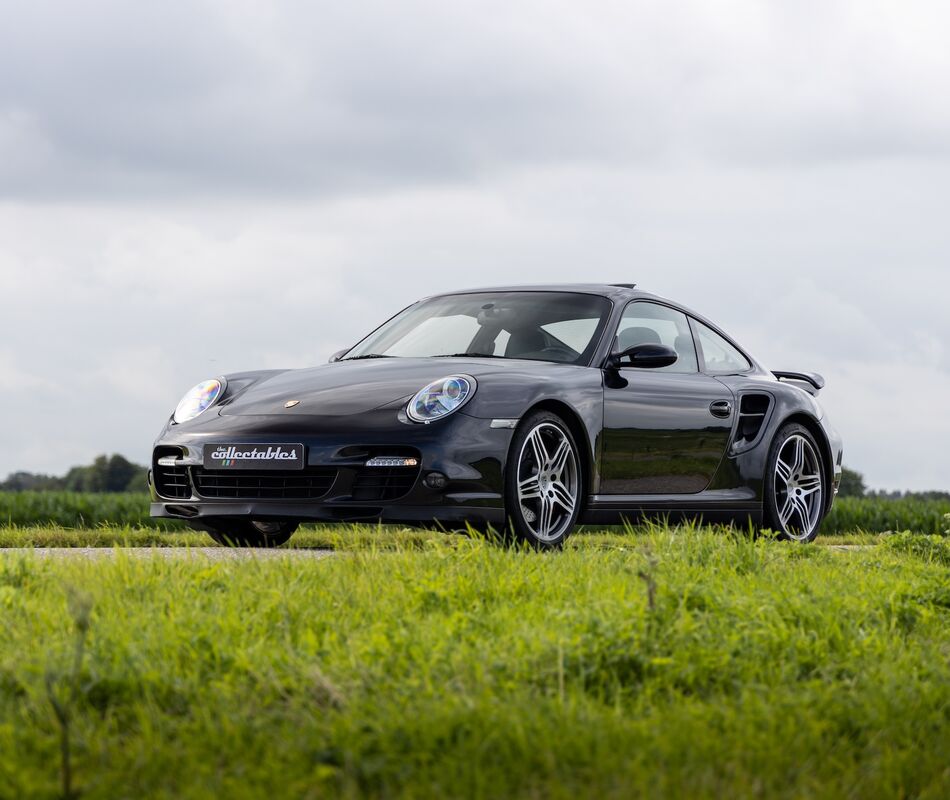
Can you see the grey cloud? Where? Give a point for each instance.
(221, 98)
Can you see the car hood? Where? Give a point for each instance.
(354, 387)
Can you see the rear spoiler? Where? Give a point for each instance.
(813, 379)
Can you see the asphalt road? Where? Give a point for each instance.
(209, 553)
(223, 553)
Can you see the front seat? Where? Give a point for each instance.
(631, 337)
(528, 341)
(686, 351)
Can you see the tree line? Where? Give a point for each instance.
(853, 485)
(113, 473)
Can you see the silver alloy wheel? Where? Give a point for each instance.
(799, 492)
(548, 481)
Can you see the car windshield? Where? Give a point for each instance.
(562, 327)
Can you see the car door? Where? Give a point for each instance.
(665, 430)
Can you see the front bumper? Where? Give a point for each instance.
(466, 450)
(197, 514)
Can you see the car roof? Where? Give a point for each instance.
(620, 292)
(611, 290)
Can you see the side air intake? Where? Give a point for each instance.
(753, 411)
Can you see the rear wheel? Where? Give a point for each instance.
(246, 533)
(543, 484)
(796, 485)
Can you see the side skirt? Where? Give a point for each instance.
(618, 509)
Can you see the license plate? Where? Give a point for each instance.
(254, 456)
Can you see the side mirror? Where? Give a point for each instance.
(339, 354)
(644, 356)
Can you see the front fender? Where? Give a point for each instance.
(576, 393)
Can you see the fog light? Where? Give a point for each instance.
(436, 480)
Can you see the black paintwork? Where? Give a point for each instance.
(654, 442)
(665, 419)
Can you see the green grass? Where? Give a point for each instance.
(72, 510)
(79, 510)
(674, 663)
(878, 515)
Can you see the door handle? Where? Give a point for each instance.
(721, 409)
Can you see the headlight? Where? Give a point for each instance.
(199, 399)
(441, 398)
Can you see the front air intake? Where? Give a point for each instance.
(171, 479)
(376, 484)
(311, 483)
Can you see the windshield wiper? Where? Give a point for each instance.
(368, 355)
(467, 355)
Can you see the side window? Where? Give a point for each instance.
(649, 323)
(719, 357)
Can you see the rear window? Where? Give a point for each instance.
(719, 356)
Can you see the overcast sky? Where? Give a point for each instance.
(188, 189)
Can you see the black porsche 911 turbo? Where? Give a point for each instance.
(525, 409)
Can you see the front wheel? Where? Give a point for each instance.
(543, 483)
(796, 486)
(245, 533)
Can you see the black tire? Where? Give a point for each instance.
(795, 507)
(246, 533)
(557, 482)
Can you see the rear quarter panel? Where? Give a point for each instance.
(789, 403)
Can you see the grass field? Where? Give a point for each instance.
(665, 663)
(72, 510)
(79, 510)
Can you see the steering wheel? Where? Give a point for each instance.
(565, 353)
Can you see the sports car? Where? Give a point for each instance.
(527, 410)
